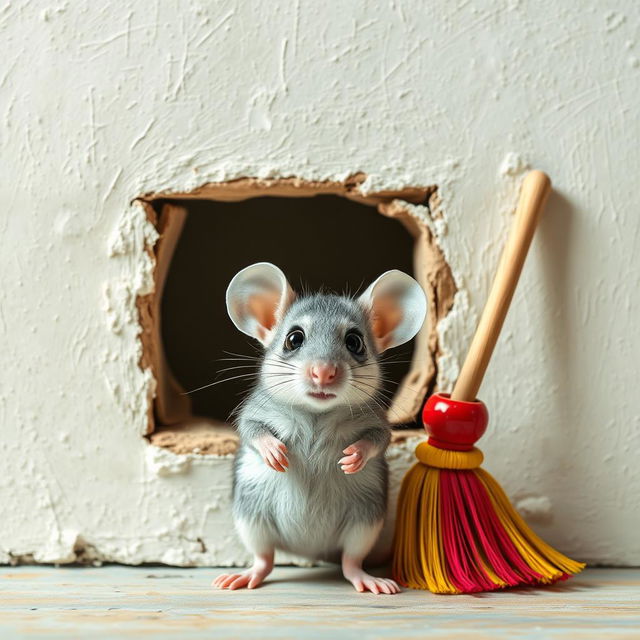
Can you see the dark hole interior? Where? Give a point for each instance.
(324, 241)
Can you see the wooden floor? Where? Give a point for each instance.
(131, 602)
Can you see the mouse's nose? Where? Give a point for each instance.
(323, 373)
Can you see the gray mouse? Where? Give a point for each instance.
(310, 475)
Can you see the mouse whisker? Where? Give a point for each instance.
(281, 363)
(271, 387)
(244, 356)
(382, 361)
(238, 377)
(382, 402)
(374, 389)
(241, 366)
(386, 402)
(245, 366)
(258, 366)
(382, 379)
(203, 387)
(387, 395)
(362, 376)
(366, 404)
(350, 408)
(247, 393)
(258, 361)
(267, 398)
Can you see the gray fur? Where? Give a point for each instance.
(309, 508)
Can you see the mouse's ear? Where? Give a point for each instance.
(397, 307)
(257, 298)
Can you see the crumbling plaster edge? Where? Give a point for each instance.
(454, 328)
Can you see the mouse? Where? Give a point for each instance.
(310, 475)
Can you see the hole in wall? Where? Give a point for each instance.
(320, 234)
(324, 242)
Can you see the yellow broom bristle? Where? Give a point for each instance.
(418, 560)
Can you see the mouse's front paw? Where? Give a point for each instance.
(273, 452)
(358, 454)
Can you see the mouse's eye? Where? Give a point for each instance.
(294, 340)
(354, 343)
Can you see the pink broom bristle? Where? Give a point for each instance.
(460, 548)
(474, 538)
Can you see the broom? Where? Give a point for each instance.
(456, 531)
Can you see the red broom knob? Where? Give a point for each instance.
(454, 424)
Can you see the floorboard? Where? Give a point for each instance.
(131, 602)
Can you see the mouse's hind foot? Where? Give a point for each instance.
(249, 579)
(358, 542)
(362, 582)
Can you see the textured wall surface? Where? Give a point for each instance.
(100, 103)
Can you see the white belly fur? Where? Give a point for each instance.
(308, 509)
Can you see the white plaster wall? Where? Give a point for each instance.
(102, 101)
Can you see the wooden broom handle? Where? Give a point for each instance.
(533, 195)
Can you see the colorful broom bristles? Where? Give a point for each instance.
(457, 532)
